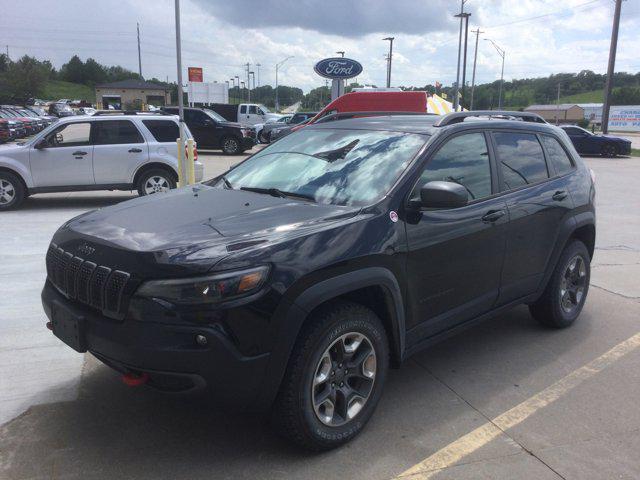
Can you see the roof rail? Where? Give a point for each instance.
(128, 112)
(457, 117)
(345, 115)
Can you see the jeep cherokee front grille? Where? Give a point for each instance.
(78, 279)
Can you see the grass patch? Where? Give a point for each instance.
(57, 89)
(594, 96)
(635, 152)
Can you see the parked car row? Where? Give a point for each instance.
(19, 122)
(272, 131)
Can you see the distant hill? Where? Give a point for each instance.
(56, 89)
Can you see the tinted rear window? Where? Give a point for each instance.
(521, 159)
(115, 132)
(162, 130)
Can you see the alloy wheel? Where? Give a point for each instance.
(343, 379)
(7, 192)
(156, 184)
(230, 145)
(573, 284)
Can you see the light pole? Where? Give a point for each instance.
(465, 16)
(258, 70)
(501, 52)
(233, 86)
(241, 93)
(183, 165)
(456, 100)
(278, 65)
(227, 82)
(248, 65)
(475, 58)
(238, 85)
(389, 59)
(253, 75)
(611, 67)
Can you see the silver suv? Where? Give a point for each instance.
(102, 152)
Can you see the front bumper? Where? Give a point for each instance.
(168, 353)
(247, 143)
(625, 148)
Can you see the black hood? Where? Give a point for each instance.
(199, 224)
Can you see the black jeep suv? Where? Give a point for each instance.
(296, 279)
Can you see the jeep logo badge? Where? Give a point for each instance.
(338, 68)
(86, 249)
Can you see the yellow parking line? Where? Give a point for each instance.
(472, 441)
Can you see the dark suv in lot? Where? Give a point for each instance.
(292, 282)
(211, 131)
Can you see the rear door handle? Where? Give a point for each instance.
(79, 153)
(493, 215)
(559, 195)
(135, 150)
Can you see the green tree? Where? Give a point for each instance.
(26, 78)
(73, 70)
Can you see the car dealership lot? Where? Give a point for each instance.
(441, 414)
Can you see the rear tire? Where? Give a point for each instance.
(155, 180)
(566, 292)
(334, 379)
(12, 191)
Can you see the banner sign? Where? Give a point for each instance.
(195, 74)
(625, 118)
(338, 68)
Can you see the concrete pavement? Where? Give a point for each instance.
(77, 420)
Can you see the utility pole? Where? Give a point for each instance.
(558, 105)
(475, 59)
(139, 55)
(181, 152)
(464, 59)
(610, 69)
(278, 65)
(501, 52)
(389, 60)
(456, 101)
(248, 65)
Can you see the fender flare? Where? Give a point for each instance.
(293, 314)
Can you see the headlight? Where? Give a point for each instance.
(206, 290)
(247, 132)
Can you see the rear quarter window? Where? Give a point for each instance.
(162, 130)
(557, 155)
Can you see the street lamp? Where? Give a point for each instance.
(278, 65)
(389, 58)
(233, 86)
(238, 98)
(227, 82)
(501, 52)
(241, 83)
(464, 16)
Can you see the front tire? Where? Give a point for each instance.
(566, 292)
(334, 379)
(230, 145)
(609, 150)
(12, 191)
(263, 137)
(155, 180)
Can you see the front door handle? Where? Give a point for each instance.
(493, 215)
(135, 150)
(559, 195)
(78, 153)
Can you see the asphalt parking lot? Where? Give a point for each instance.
(506, 399)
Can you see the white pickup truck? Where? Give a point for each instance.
(245, 113)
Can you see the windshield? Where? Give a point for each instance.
(341, 167)
(216, 116)
(264, 109)
(63, 107)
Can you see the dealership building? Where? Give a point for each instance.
(563, 113)
(131, 94)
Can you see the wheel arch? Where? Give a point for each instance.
(147, 166)
(360, 286)
(17, 174)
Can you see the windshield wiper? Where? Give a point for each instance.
(275, 192)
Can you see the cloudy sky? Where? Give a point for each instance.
(540, 36)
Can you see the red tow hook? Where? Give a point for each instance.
(135, 380)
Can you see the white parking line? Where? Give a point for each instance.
(481, 436)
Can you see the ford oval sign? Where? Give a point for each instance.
(338, 68)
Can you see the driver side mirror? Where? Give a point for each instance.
(443, 195)
(208, 122)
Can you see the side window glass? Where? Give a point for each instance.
(243, 109)
(557, 155)
(520, 158)
(253, 110)
(463, 160)
(117, 132)
(163, 130)
(70, 135)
